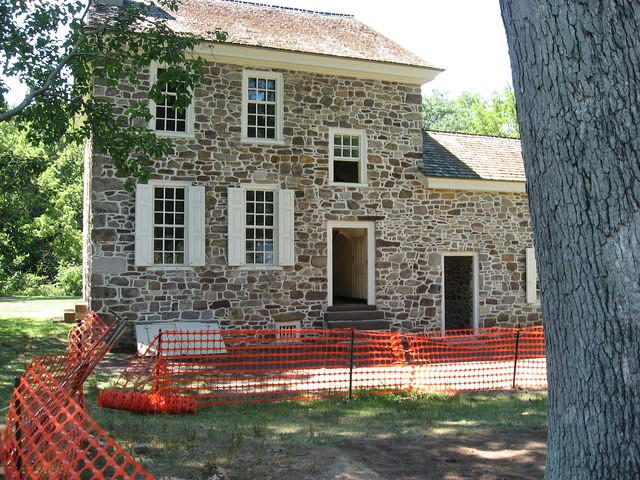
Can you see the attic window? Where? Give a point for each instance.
(262, 107)
(347, 152)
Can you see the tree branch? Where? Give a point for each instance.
(36, 92)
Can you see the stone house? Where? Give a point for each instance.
(302, 191)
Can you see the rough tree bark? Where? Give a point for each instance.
(576, 74)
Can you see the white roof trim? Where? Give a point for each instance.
(445, 183)
(316, 63)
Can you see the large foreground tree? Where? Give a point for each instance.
(576, 74)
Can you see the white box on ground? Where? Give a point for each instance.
(196, 345)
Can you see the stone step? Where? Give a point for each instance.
(69, 315)
(350, 307)
(359, 324)
(82, 309)
(354, 315)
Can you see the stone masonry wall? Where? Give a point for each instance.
(413, 224)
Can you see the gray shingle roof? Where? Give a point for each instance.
(466, 156)
(283, 28)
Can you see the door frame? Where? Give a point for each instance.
(370, 228)
(476, 286)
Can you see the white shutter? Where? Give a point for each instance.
(144, 225)
(195, 226)
(532, 276)
(286, 247)
(235, 226)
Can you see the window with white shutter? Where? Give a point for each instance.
(260, 226)
(169, 224)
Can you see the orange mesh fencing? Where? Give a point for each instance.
(483, 359)
(234, 366)
(49, 436)
(87, 333)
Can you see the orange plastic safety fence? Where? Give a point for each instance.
(483, 359)
(87, 347)
(234, 366)
(87, 333)
(49, 436)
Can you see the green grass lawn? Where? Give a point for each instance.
(21, 339)
(295, 440)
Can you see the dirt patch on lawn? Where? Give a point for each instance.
(494, 455)
(486, 455)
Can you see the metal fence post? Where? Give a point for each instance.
(353, 332)
(515, 358)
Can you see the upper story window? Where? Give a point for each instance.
(347, 157)
(262, 107)
(167, 118)
(169, 224)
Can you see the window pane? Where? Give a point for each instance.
(168, 231)
(261, 95)
(347, 172)
(259, 233)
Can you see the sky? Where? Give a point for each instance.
(465, 37)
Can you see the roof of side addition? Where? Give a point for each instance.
(476, 157)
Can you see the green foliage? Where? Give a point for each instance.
(472, 113)
(69, 279)
(91, 52)
(41, 207)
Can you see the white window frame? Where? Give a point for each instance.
(190, 117)
(362, 162)
(193, 226)
(240, 223)
(279, 107)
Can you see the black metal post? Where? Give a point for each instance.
(353, 334)
(18, 410)
(515, 358)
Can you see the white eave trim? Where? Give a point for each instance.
(349, 67)
(446, 183)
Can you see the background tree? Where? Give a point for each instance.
(41, 208)
(91, 51)
(472, 113)
(576, 71)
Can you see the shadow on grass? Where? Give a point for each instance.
(21, 339)
(299, 440)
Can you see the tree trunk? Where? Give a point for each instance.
(576, 74)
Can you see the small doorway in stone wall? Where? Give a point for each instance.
(350, 263)
(459, 290)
